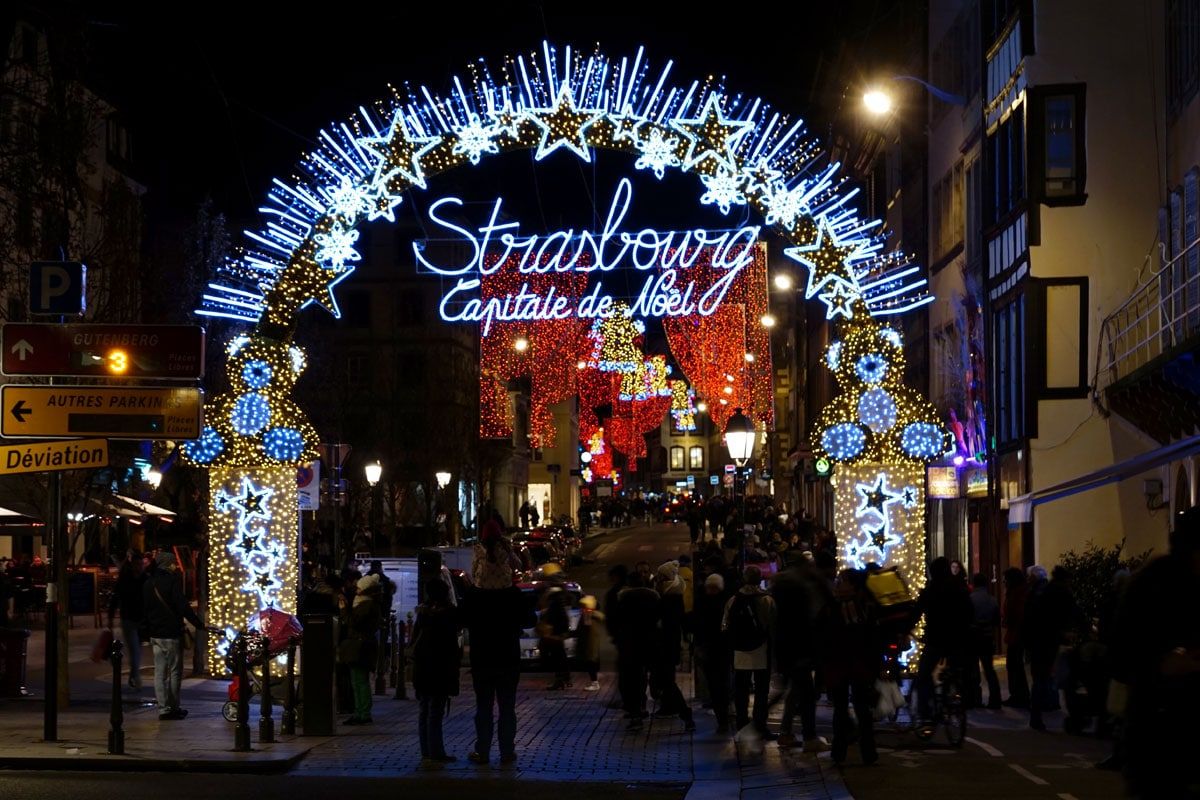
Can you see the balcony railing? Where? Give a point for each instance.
(1161, 314)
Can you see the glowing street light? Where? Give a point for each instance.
(877, 101)
(154, 478)
(702, 406)
(443, 479)
(767, 321)
(521, 344)
(739, 437)
(373, 472)
(783, 281)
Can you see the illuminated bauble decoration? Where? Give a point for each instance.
(877, 410)
(251, 413)
(256, 374)
(868, 362)
(923, 440)
(843, 441)
(206, 448)
(871, 368)
(283, 444)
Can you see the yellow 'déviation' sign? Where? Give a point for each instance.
(53, 456)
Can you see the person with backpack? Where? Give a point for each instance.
(749, 623)
(435, 660)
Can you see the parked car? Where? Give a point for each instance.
(535, 592)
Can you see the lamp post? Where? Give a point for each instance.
(154, 478)
(739, 440)
(374, 471)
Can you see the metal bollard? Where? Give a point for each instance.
(241, 730)
(287, 725)
(266, 725)
(381, 660)
(116, 736)
(396, 645)
(401, 642)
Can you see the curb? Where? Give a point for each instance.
(273, 766)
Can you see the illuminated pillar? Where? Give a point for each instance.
(253, 558)
(879, 512)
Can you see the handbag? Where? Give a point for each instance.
(890, 699)
(103, 645)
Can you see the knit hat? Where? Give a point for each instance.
(714, 580)
(1037, 572)
(165, 559)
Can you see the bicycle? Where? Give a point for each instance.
(948, 710)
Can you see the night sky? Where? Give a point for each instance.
(222, 100)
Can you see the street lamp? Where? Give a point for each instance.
(374, 471)
(783, 281)
(521, 344)
(443, 479)
(878, 101)
(154, 478)
(767, 320)
(739, 439)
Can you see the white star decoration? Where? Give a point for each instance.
(570, 122)
(336, 248)
(711, 135)
(399, 153)
(839, 301)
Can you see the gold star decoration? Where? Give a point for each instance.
(826, 260)
(711, 138)
(563, 125)
(399, 154)
(839, 301)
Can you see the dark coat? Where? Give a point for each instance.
(435, 653)
(128, 596)
(948, 612)
(710, 610)
(638, 635)
(165, 606)
(360, 648)
(495, 619)
(670, 648)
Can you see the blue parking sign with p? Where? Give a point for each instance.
(57, 287)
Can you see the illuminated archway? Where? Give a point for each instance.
(743, 153)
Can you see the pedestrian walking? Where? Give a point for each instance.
(1016, 590)
(435, 659)
(637, 643)
(749, 622)
(853, 652)
(496, 614)
(1157, 657)
(360, 650)
(670, 646)
(166, 610)
(127, 598)
(800, 597)
(712, 647)
(588, 640)
(1050, 613)
(983, 644)
(553, 629)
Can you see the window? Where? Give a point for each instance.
(1183, 53)
(1059, 159)
(1006, 148)
(1009, 358)
(357, 371)
(696, 458)
(676, 458)
(1064, 318)
(946, 208)
(973, 196)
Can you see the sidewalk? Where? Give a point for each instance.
(572, 735)
(201, 743)
(562, 736)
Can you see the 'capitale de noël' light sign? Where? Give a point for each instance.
(666, 257)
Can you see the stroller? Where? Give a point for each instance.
(269, 636)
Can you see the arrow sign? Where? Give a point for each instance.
(22, 349)
(20, 411)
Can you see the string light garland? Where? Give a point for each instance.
(683, 406)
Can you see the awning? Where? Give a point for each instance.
(1020, 509)
(146, 509)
